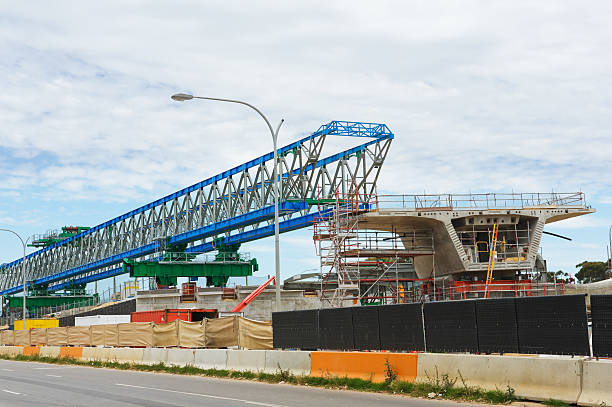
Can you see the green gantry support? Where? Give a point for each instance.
(227, 263)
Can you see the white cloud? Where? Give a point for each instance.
(581, 222)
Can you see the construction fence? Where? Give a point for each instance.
(210, 333)
(555, 325)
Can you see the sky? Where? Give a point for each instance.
(483, 96)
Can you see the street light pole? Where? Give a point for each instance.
(23, 273)
(277, 189)
(610, 250)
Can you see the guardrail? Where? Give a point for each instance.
(484, 201)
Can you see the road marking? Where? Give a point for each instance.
(12, 392)
(210, 396)
(52, 375)
(8, 370)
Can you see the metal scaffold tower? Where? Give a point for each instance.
(365, 266)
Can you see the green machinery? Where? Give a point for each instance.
(39, 299)
(56, 236)
(176, 263)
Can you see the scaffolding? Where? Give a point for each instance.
(369, 267)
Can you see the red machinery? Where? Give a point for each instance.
(169, 315)
(252, 296)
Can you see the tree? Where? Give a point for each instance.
(559, 276)
(591, 271)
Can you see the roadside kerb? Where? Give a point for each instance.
(126, 355)
(73, 352)
(181, 357)
(211, 359)
(153, 356)
(31, 350)
(99, 354)
(11, 350)
(49, 351)
(297, 363)
(364, 365)
(532, 378)
(246, 360)
(596, 383)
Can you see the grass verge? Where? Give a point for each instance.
(438, 389)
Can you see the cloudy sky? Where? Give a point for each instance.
(483, 96)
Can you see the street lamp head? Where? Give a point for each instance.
(181, 97)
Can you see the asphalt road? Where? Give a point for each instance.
(38, 384)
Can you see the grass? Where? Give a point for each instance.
(438, 387)
(555, 403)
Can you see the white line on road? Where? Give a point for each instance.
(12, 392)
(8, 370)
(52, 375)
(256, 403)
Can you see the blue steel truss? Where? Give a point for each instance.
(236, 204)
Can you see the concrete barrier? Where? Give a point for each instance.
(153, 356)
(50, 351)
(31, 350)
(296, 362)
(596, 383)
(211, 359)
(532, 378)
(93, 353)
(73, 352)
(246, 360)
(126, 355)
(10, 350)
(364, 365)
(181, 357)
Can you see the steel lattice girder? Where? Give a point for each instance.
(227, 203)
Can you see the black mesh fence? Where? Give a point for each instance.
(296, 329)
(336, 328)
(601, 318)
(365, 328)
(401, 327)
(555, 325)
(545, 325)
(450, 326)
(497, 330)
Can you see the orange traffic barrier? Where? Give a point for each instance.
(364, 365)
(31, 350)
(71, 352)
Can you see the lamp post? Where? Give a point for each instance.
(23, 273)
(181, 97)
(610, 250)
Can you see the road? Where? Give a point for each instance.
(39, 384)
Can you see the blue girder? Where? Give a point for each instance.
(375, 131)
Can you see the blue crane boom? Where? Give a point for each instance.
(227, 204)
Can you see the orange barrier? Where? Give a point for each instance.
(364, 365)
(31, 350)
(71, 352)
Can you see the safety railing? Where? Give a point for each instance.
(207, 257)
(484, 201)
(445, 291)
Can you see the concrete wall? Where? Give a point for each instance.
(260, 309)
(573, 380)
(599, 288)
(535, 378)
